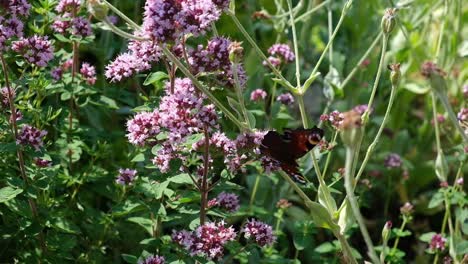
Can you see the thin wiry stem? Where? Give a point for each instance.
(307, 15)
(296, 46)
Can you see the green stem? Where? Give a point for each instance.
(258, 50)
(122, 33)
(372, 146)
(349, 186)
(365, 117)
(359, 63)
(397, 240)
(307, 15)
(296, 47)
(331, 207)
(123, 16)
(202, 88)
(327, 162)
(346, 248)
(254, 191)
(330, 41)
(436, 123)
(305, 120)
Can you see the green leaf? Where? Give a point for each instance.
(436, 200)
(140, 157)
(401, 233)
(326, 247)
(309, 81)
(332, 85)
(108, 102)
(183, 178)
(426, 237)
(155, 78)
(324, 195)
(8, 147)
(416, 88)
(346, 217)
(130, 258)
(252, 120)
(461, 248)
(146, 223)
(321, 216)
(235, 106)
(8, 193)
(302, 237)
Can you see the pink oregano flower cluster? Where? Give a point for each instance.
(214, 58)
(37, 50)
(31, 136)
(207, 240)
(180, 115)
(11, 25)
(164, 21)
(228, 201)
(65, 23)
(280, 54)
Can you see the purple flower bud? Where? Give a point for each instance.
(81, 27)
(142, 127)
(31, 136)
(259, 232)
(393, 160)
(124, 66)
(153, 259)
(42, 163)
(126, 176)
(407, 209)
(286, 99)
(36, 50)
(283, 51)
(258, 95)
(437, 242)
(228, 201)
(283, 204)
(67, 5)
(57, 73)
(88, 72)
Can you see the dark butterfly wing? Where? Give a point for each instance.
(299, 143)
(288, 147)
(292, 169)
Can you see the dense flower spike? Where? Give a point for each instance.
(88, 72)
(142, 127)
(286, 99)
(280, 53)
(153, 259)
(81, 27)
(124, 66)
(393, 160)
(19, 7)
(9, 28)
(258, 95)
(283, 51)
(146, 51)
(57, 73)
(437, 242)
(184, 112)
(67, 5)
(159, 20)
(197, 15)
(207, 240)
(37, 50)
(126, 176)
(228, 201)
(259, 232)
(31, 136)
(164, 156)
(61, 24)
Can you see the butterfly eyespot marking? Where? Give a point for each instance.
(314, 138)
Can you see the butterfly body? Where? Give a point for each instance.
(288, 147)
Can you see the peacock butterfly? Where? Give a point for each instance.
(286, 148)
